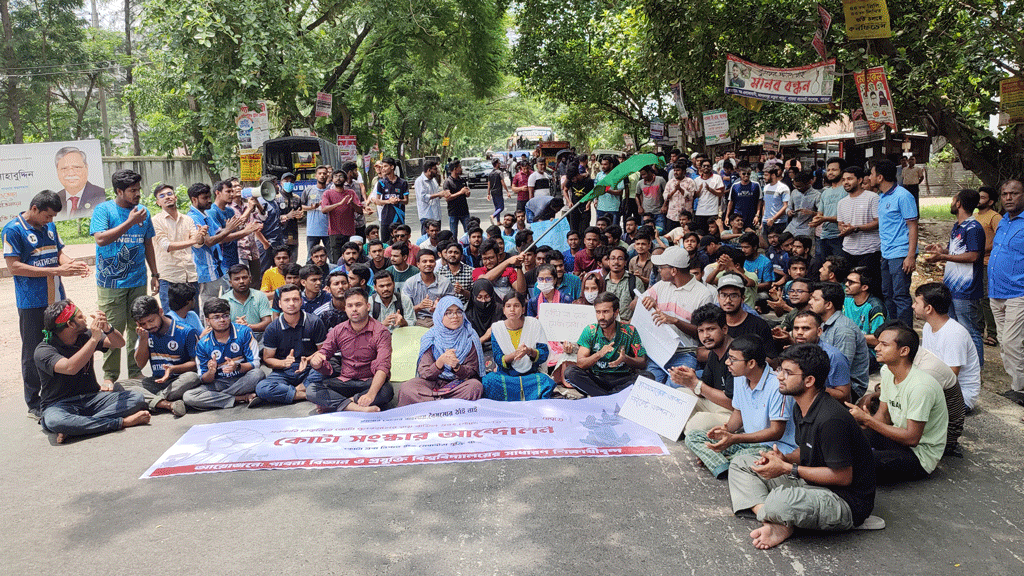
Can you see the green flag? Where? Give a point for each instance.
(632, 164)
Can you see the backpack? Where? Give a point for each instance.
(377, 306)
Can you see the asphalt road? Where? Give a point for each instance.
(80, 508)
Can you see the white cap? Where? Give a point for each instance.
(674, 256)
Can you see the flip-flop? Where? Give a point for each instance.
(871, 523)
(991, 341)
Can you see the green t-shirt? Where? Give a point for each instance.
(626, 338)
(919, 397)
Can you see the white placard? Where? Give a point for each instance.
(660, 342)
(565, 322)
(658, 407)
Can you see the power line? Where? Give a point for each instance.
(66, 72)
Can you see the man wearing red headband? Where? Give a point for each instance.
(71, 400)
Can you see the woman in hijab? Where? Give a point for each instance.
(450, 358)
(484, 309)
(520, 348)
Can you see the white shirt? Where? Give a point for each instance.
(426, 206)
(708, 203)
(953, 345)
(532, 183)
(680, 302)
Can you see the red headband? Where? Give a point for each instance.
(66, 314)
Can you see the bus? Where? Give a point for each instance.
(528, 137)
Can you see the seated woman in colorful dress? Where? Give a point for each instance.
(450, 358)
(519, 347)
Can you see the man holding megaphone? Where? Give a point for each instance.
(292, 211)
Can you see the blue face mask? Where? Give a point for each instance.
(288, 186)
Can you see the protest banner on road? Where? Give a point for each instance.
(659, 407)
(72, 169)
(811, 84)
(1011, 101)
(565, 322)
(875, 97)
(426, 433)
(660, 342)
(866, 19)
(716, 127)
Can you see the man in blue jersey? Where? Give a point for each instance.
(170, 349)
(207, 255)
(227, 358)
(123, 231)
(35, 257)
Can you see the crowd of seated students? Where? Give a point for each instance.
(784, 403)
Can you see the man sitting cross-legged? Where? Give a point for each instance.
(70, 397)
(908, 432)
(714, 388)
(170, 349)
(828, 482)
(360, 373)
(761, 414)
(227, 358)
(610, 352)
(288, 343)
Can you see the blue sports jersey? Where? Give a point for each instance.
(34, 247)
(122, 263)
(240, 344)
(228, 250)
(176, 347)
(206, 258)
(310, 306)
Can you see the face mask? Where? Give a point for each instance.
(590, 296)
(288, 186)
(545, 286)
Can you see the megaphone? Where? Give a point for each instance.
(267, 191)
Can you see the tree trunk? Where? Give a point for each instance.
(11, 85)
(133, 120)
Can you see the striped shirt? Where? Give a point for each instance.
(856, 211)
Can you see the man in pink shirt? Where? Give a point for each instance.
(342, 204)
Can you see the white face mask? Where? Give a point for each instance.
(546, 286)
(590, 296)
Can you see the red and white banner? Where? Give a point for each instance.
(811, 84)
(323, 104)
(427, 433)
(875, 97)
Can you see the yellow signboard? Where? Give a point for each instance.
(252, 166)
(1011, 101)
(866, 19)
(446, 142)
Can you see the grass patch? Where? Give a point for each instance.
(937, 213)
(70, 234)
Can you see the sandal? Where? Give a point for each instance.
(991, 341)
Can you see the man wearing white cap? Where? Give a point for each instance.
(672, 302)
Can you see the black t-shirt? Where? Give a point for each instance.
(494, 181)
(458, 207)
(286, 202)
(56, 387)
(386, 190)
(756, 325)
(716, 373)
(828, 436)
(580, 188)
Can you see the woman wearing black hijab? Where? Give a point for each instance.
(483, 310)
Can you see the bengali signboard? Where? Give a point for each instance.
(875, 97)
(811, 84)
(323, 104)
(657, 129)
(426, 433)
(72, 169)
(1011, 101)
(253, 127)
(347, 150)
(866, 19)
(716, 127)
(863, 132)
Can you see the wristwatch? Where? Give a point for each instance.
(794, 473)
(697, 388)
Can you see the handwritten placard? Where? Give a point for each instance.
(660, 342)
(565, 322)
(658, 407)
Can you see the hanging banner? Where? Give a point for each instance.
(74, 169)
(253, 127)
(657, 129)
(424, 433)
(866, 19)
(323, 104)
(875, 97)
(819, 44)
(347, 150)
(826, 18)
(1011, 101)
(771, 141)
(251, 163)
(811, 84)
(628, 141)
(716, 127)
(863, 133)
(677, 96)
